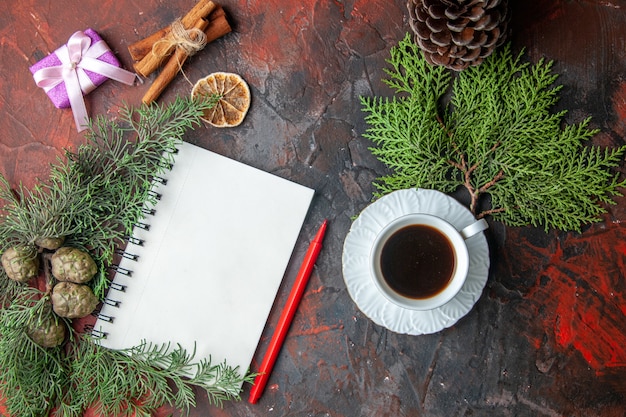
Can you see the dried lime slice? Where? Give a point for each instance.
(234, 100)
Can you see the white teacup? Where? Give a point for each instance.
(420, 261)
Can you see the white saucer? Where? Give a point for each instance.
(356, 271)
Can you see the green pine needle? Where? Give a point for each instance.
(32, 378)
(143, 378)
(497, 136)
(94, 198)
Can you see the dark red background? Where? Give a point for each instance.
(547, 338)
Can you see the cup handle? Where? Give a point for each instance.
(474, 228)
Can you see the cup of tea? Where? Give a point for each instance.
(420, 261)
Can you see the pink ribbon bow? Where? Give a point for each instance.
(77, 56)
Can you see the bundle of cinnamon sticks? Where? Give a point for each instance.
(156, 50)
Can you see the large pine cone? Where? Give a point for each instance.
(458, 33)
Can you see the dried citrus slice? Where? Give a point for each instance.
(234, 100)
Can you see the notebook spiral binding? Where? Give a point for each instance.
(118, 287)
(134, 240)
(121, 270)
(154, 194)
(147, 211)
(89, 328)
(141, 225)
(159, 180)
(126, 255)
(114, 303)
(104, 317)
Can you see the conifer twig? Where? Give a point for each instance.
(495, 135)
(93, 199)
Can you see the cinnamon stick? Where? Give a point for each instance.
(142, 47)
(218, 26)
(151, 61)
(171, 68)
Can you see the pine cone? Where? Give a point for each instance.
(72, 300)
(47, 332)
(20, 263)
(49, 242)
(72, 264)
(458, 33)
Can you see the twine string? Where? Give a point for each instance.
(181, 38)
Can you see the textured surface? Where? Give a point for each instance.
(547, 337)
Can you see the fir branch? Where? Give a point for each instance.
(498, 137)
(32, 378)
(408, 124)
(96, 196)
(137, 380)
(93, 199)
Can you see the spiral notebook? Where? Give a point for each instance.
(205, 269)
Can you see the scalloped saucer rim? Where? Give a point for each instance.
(357, 276)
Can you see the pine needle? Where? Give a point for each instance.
(94, 198)
(491, 130)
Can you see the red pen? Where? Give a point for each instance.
(287, 314)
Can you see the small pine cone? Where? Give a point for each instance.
(73, 301)
(50, 243)
(457, 34)
(20, 263)
(72, 264)
(48, 332)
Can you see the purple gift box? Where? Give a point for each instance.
(58, 94)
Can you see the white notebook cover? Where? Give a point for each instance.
(212, 260)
